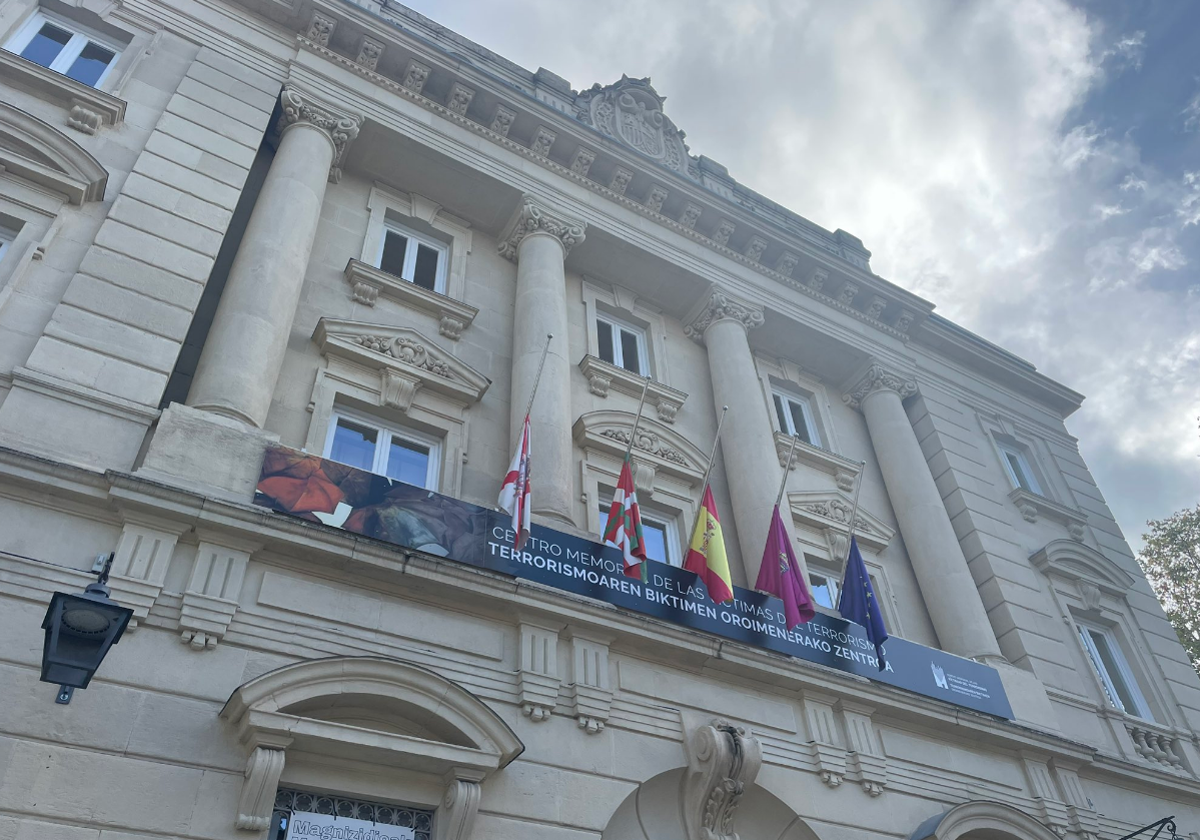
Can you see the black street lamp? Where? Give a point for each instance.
(79, 631)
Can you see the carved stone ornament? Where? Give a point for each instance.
(81, 118)
(817, 281)
(878, 303)
(904, 321)
(258, 789)
(320, 29)
(848, 294)
(369, 52)
(503, 120)
(301, 109)
(415, 76)
(460, 805)
(647, 441)
(878, 378)
(691, 215)
(723, 759)
(755, 248)
(630, 112)
(582, 161)
(725, 229)
(406, 350)
(786, 263)
(533, 217)
(543, 139)
(460, 98)
(654, 201)
(721, 306)
(620, 180)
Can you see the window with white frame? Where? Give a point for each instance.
(622, 344)
(65, 47)
(795, 416)
(1017, 466)
(418, 258)
(660, 534)
(401, 454)
(1106, 657)
(826, 589)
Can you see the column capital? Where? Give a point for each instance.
(721, 306)
(878, 378)
(533, 217)
(301, 108)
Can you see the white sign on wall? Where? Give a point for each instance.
(304, 826)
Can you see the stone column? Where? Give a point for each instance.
(947, 586)
(538, 240)
(748, 440)
(245, 347)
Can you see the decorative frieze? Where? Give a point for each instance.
(502, 120)
(302, 109)
(582, 161)
(721, 306)
(320, 29)
(620, 180)
(655, 198)
(755, 248)
(415, 76)
(369, 52)
(723, 231)
(460, 98)
(723, 759)
(534, 217)
(879, 378)
(691, 215)
(537, 677)
(543, 139)
(786, 263)
(657, 447)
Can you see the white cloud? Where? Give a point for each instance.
(943, 134)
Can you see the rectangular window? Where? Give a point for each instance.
(64, 48)
(1016, 464)
(622, 344)
(421, 260)
(399, 454)
(1110, 665)
(795, 416)
(825, 590)
(662, 542)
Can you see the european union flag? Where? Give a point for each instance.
(858, 603)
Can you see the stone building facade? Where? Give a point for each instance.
(336, 228)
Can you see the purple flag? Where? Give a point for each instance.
(779, 575)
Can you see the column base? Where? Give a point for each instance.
(206, 453)
(1027, 696)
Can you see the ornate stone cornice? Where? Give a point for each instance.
(721, 306)
(300, 108)
(878, 378)
(723, 760)
(534, 217)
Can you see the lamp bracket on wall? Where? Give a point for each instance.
(1167, 823)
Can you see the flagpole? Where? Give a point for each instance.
(862, 465)
(712, 458)
(637, 419)
(786, 468)
(538, 378)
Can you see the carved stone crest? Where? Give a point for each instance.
(723, 759)
(630, 111)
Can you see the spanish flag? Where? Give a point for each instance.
(706, 554)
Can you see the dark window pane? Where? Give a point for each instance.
(408, 462)
(798, 421)
(46, 45)
(604, 335)
(630, 358)
(394, 246)
(90, 65)
(783, 423)
(353, 445)
(425, 274)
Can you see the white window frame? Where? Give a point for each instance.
(80, 38)
(806, 410)
(618, 352)
(670, 532)
(384, 442)
(1023, 462)
(834, 584)
(1124, 672)
(410, 253)
(7, 237)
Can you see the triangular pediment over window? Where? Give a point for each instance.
(831, 510)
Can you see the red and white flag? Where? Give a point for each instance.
(514, 493)
(624, 529)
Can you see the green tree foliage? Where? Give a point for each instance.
(1171, 560)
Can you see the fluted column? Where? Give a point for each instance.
(748, 439)
(538, 239)
(950, 594)
(245, 347)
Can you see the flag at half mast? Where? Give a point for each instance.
(779, 575)
(859, 604)
(515, 492)
(706, 553)
(624, 528)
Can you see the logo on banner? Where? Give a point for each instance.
(305, 826)
(939, 676)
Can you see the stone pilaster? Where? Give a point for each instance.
(246, 344)
(722, 322)
(950, 594)
(538, 239)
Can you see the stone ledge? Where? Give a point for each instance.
(843, 469)
(87, 108)
(603, 376)
(1032, 506)
(367, 283)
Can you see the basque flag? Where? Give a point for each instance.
(515, 498)
(779, 575)
(624, 528)
(858, 602)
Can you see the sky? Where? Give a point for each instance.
(1030, 167)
